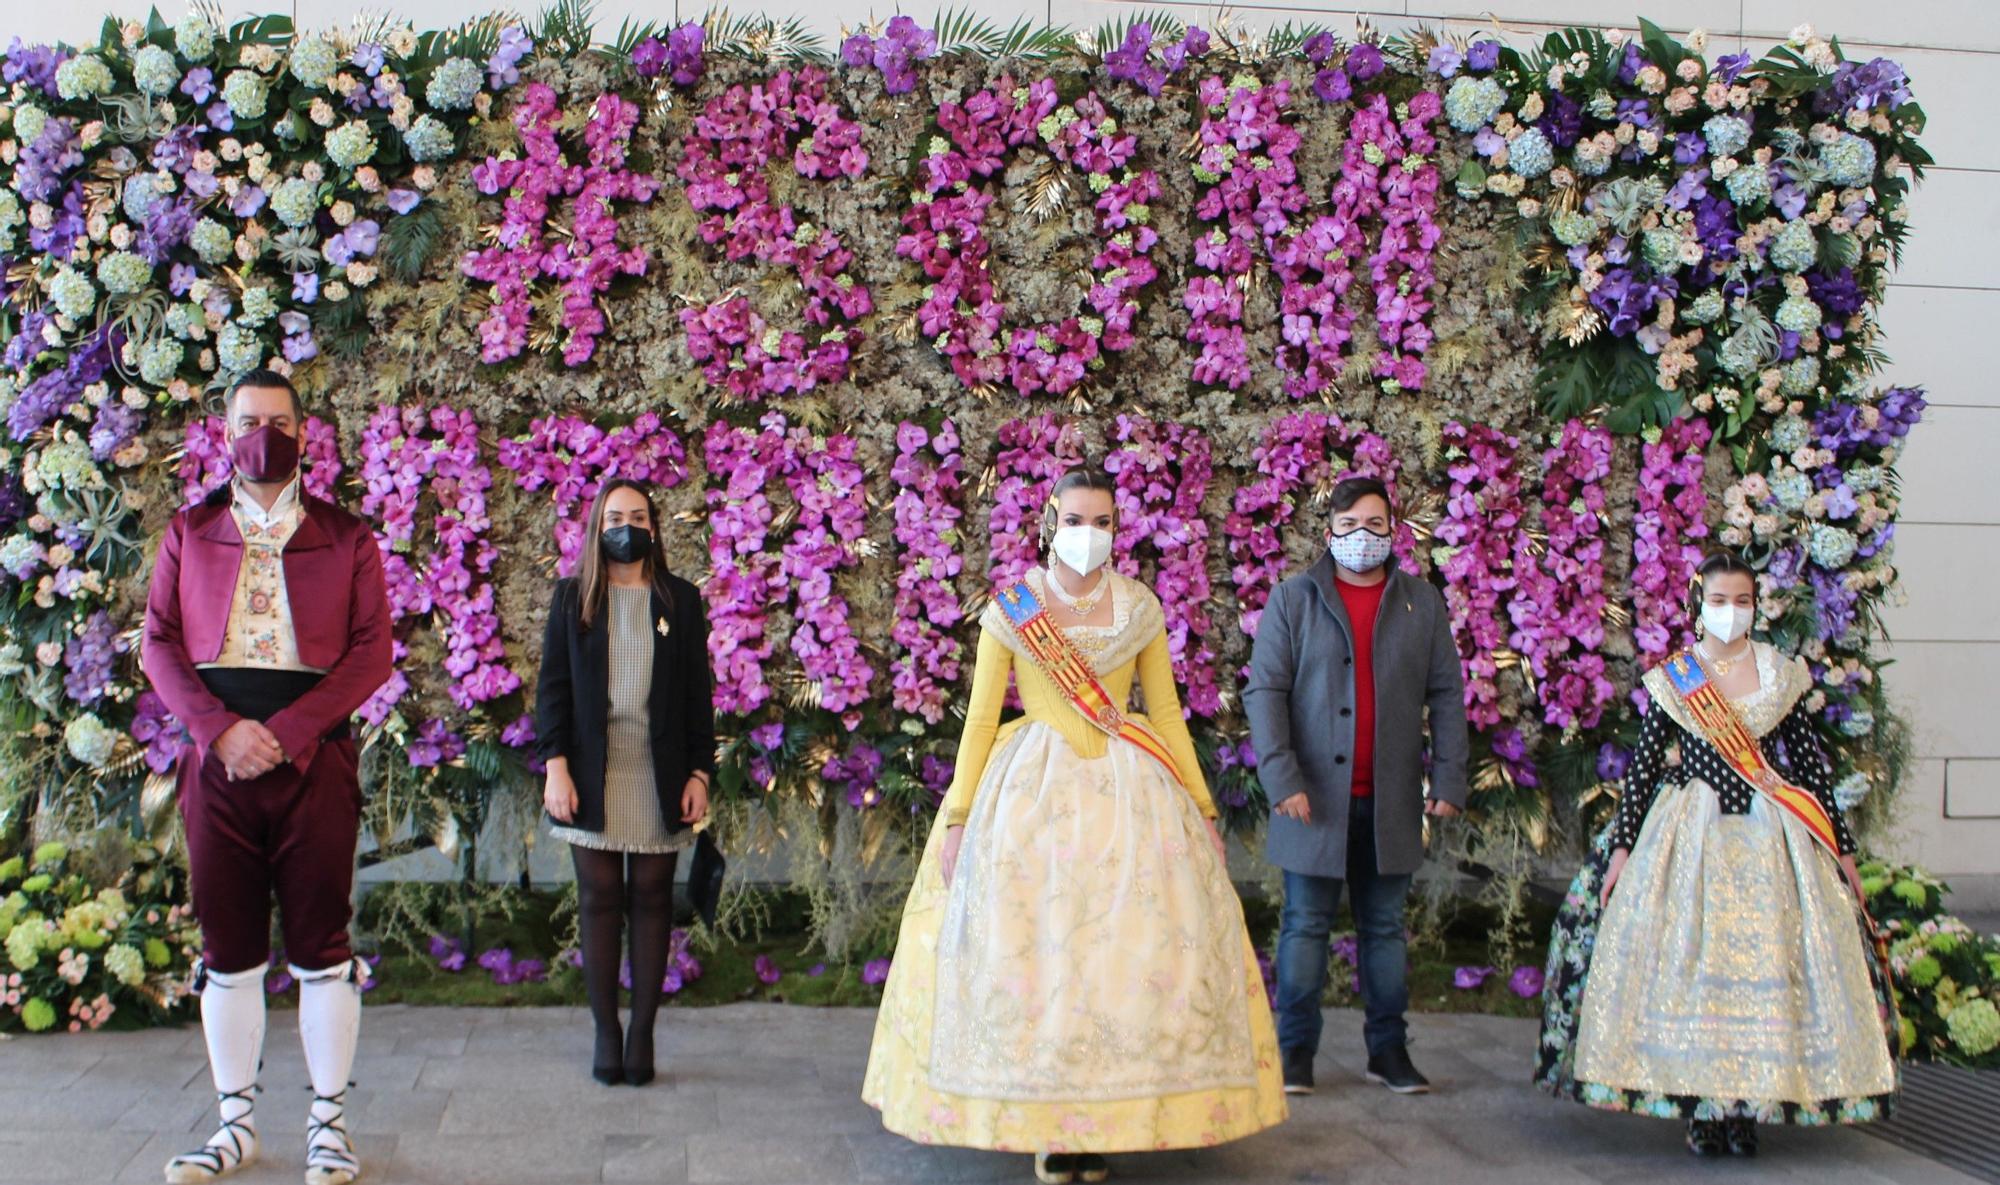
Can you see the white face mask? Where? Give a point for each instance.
(1084, 549)
(1726, 623)
(1360, 550)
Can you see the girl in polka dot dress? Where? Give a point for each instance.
(1709, 963)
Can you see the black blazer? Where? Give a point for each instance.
(573, 699)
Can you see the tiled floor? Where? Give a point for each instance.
(769, 1094)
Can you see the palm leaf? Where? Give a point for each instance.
(1111, 34)
(410, 241)
(567, 27)
(1033, 42)
(1291, 37)
(761, 39)
(963, 31)
(630, 35)
(275, 29)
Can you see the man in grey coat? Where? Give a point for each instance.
(1348, 657)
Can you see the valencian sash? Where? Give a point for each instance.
(1049, 648)
(1724, 729)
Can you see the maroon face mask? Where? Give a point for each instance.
(265, 454)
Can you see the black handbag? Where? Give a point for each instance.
(704, 884)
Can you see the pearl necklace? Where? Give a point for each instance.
(1084, 604)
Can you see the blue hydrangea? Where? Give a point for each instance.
(313, 62)
(74, 294)
(1849, 160)
(1863, 478)
(246, 93)
(1739, 354)
(122, 272)
(1791, 489)
(1798, 314)
(1572, 227)
(1530, 154)
(295, 202)
(194, 38)
(1471, 103)
(1850, 790)
(1749, 185)
(1726, 135)
(154, 71)
(29, 120)
(159, 361)
(1662, 248)
(1800, 376)
(237, 349)
(1860, 717)
(1703, 309)
(84, 76)
(1790, 433)
(350, 145)
(1831, 546)
(259, 306)
(1592, 166)
(141, 191)
(1794, 249)
(455, 84)
(211, 240)
(428, 139)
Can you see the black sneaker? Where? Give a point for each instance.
(1092, 1168)
(1705, 1137)
(1741, 1133)
(1055, 1168)
(1393, 1070)
(1298, 1071)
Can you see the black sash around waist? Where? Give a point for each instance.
(259, 693)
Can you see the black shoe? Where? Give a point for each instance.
(1393, 1070)
(1741, 1133)
(1055, 1168)
(1705, 1137)
(606, 1062)
(1298, 1071)
(639, 1057)
(1092, 1167)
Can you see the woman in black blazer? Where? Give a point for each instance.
(626, 725)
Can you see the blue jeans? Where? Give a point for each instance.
(1310, 905)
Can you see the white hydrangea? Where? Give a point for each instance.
(74, 294)
(194, 37)
(90, 740)
(84, 76)
(313, 62)
(154, 71)
(29, 120)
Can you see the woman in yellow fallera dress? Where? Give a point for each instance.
(1073, 976)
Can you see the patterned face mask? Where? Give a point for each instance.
(1360, 550)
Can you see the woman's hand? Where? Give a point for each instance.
(1215, 837)
(1853, 876)
(1611, 874)
(948, 855)
(694, 799)
(559, 792)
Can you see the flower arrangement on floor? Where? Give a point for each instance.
(955, 274)
(1947, 975)
(97, 936)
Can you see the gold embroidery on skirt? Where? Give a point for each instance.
(1730, 964)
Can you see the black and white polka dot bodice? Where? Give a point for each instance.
(1776, 715)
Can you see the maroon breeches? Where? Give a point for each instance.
(287, 832)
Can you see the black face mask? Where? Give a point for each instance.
(627, 544)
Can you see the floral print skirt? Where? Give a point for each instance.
(1086, 983)
(1728, 978)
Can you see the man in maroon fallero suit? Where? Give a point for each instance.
(267, 625)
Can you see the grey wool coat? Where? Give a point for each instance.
(1300, 701)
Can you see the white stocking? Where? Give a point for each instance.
(232, 1023)
(329, 1025)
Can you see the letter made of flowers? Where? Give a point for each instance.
(928, 508)
(962, 313)
(725, 155)
(1668, 527)
(205, 465)
(1483, 516)
(571, 457)
(1559, 606)
(530, 253)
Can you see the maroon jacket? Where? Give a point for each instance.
(339, 605)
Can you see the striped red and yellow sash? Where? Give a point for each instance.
(1050, 650)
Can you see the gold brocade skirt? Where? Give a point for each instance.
(1086, 984)
(1729, 965)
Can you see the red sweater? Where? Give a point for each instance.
(1362, 602)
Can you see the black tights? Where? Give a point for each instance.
(634, 891)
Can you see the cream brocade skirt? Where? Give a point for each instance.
(1729, 965)
(1086, 984)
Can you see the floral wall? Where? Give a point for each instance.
(1589, 308)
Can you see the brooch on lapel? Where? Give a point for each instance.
(661, 625)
